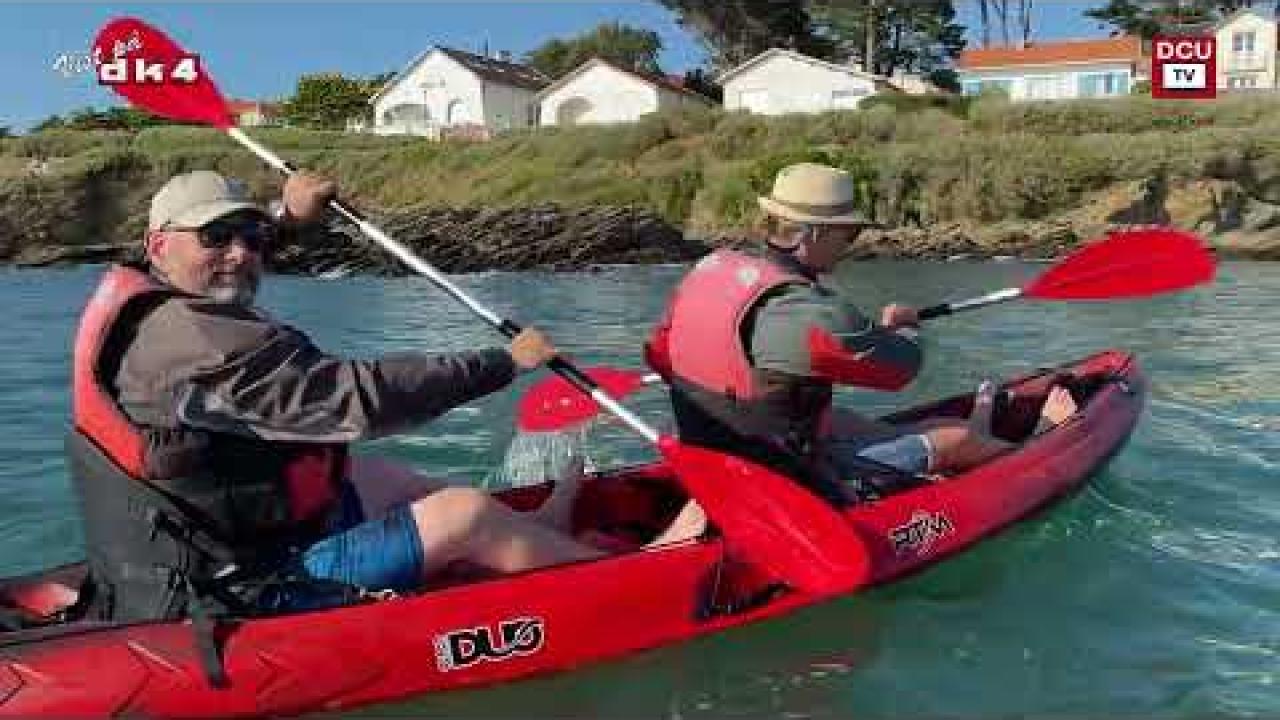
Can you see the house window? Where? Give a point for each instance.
(1043, 87)
(847, 98)
(971, 87)
(1243, 55)
(1243, 82)
(1103, 84)
(994, 86)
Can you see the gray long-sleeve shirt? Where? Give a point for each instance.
(228, 368)
(779, 341)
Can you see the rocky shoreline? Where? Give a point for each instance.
(550, 237)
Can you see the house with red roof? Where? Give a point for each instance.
(1099, 68)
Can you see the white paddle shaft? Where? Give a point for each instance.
(406, 256)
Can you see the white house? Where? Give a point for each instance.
(779, 81)
(599, 92)
(445, 90)
(1246, 49)
(1055, 70)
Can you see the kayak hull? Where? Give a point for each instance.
(483, 631)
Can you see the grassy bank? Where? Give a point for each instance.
(915, 161)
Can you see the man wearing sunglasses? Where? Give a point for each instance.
(210, 449)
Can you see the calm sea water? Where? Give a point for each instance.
(1154, 593)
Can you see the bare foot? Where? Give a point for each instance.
(983, 406)
(689, 524)
(1057, 408)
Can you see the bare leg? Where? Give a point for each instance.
(965, 444)
(466, 524)
(957, 447)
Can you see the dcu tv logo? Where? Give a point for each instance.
(1184, 67)
(462, 648)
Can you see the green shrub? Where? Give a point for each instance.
(65, 143)
(956, 105)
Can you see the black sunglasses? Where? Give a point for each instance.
(255, 235)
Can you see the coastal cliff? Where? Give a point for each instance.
(948, 178)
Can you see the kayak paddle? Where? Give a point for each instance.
(1123, 264)
(765, 516)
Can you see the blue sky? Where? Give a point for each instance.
(259, 49)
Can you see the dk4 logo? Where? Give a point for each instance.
(184, 70)
(461, 648)
(1184, 67)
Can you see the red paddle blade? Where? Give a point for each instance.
(554, 404)
(771, 520)
(149, 70)
(1130, 263)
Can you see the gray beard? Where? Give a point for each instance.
(239, 294)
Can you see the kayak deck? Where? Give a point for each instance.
(467, 630)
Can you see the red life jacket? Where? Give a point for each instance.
(717, 396)
(702, 343)
(247, 499)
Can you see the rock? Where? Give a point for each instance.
(1248, 245)
(545, 237)
(57, 255)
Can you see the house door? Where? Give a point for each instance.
(755, 100)
(572, 111)
(457, 113)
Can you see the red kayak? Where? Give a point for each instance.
(467, 632)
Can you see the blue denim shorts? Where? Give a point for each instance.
(380, 554)
(908, 453)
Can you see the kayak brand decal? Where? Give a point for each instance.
(459, 649)
(918, 534)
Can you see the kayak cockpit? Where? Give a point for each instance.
(625, 508)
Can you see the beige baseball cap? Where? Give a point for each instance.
(195, 198)
(814, 194)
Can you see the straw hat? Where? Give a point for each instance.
(814, 194)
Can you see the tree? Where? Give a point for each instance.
(620, 44)
(736, 30)
(884, 36)
(1024, 18)
(113, 118)
(50, 123)
(5, 132)
(1145, 18)
(984, 12)
(701, 82)
(325, 101)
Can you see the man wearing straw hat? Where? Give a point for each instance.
(753, 345)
